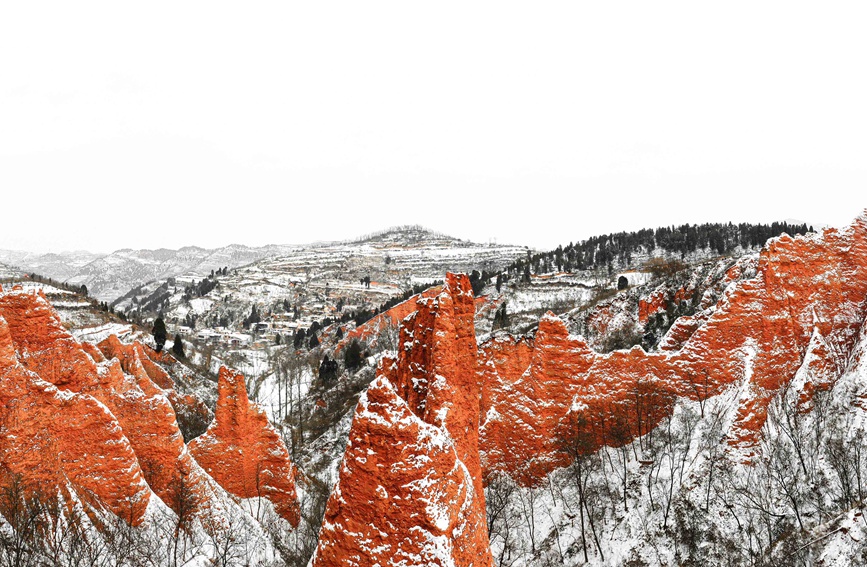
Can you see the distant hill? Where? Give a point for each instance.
(318, 281)
(110, 276)
(8, 272)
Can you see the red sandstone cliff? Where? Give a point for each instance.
(410, 488)
(64, 443)
(96, 424)
(56, 395)
(808, 296)
(244, 453)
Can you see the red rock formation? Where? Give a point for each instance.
(661, 300)
(141, 361)
(243, 452)
(757, 335)
(80, 424)
(410, 487)
(632, 310)
(134, 360)
(143, 412)
(60, 441)
(530, 414)
(679, 333)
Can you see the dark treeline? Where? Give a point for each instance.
(617, 249)
(76, 289)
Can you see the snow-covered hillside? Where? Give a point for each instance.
(7, 272)
(400, 256)
(310, 283)
(108, 276)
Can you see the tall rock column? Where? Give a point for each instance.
(410, 487)
(243, 452)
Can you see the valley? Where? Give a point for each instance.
(631, 401)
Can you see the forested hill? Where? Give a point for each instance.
(618, 250)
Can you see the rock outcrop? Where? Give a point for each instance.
(244, 453)
(94, 424)
(410, 487)
(58, 435)
(804, 306)
(445, 414)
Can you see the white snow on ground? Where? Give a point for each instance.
(100, 333)
(274, 395)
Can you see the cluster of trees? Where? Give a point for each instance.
(160, 335)
(158, 300)
(41, 529)
(681, 492)
(204, 287)
(77, 289)
(609, 250)
(200, 289)
(105, 307)
(252, 318)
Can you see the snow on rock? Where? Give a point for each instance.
(90, 424)
(807, 296)
(61, 441)
(244, 452)
(410, 486)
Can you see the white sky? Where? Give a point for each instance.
(167, 124)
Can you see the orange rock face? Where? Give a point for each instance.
(531, 410)
(807, 297)
(141, 411)
(91, 424)
(60, 440)
(410, 487)
(244, 453)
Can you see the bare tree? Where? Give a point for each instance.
(22, 511)
(578, 441)
(182, 537)
(500, 495)
(228, 539)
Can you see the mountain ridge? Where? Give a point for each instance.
(111, 275)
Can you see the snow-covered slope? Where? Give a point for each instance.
(108, 276)
(401, 255)
(312, 283)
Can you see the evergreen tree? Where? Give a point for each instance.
(299, 338)
(253, 318)
(160, 334)
(477, 281)
(352, 357)
(313, 342)
(501, 319)
(328, 370)
(178, 347)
